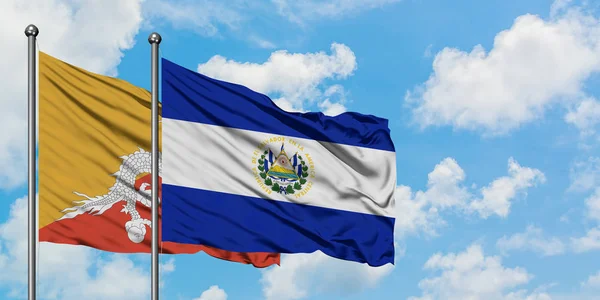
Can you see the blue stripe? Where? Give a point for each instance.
(247, 224)
(190, 96)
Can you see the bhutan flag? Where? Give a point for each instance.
(94, 165)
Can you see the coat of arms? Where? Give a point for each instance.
(282, 173)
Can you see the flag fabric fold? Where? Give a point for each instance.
(278, 181)
(94, 165)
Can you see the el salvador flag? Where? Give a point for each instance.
(241, 174)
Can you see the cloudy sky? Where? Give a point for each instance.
(494, 108)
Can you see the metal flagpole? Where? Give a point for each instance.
(154, 39)
(31, 32)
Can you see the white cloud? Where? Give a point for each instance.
(415, 213)
(213, 293)
(588, 291)
(286, 105)
(585, 175)
(427, 53)
(592, 203)
(472, 275)
(302, 274)
(66, 271)
(532, 239)
(167, 267)
(559, 6)
(117, 278)
(498, 195)
(533, 65)
(589, 242)
(164, 268)
(443, 185)
(200, 16)
(217, 18)
(261, 42)
(301, 11)
(330, 106)
(295, 78)
(524, 295)
(68, 30)
(592, 282)
(420, 211)
(586, 116)
(331, 109)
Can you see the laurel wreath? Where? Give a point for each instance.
(290, 189)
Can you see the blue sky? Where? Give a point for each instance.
(493, 110)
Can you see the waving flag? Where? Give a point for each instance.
(243, 175)
(94, 171)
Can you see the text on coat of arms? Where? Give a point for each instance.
(281, 173)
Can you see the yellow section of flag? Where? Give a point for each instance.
(86, 123)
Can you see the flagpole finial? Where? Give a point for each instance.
(31, 30)
(154, 38)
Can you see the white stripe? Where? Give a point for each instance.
(220, 159)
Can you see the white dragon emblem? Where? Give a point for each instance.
(123, 190)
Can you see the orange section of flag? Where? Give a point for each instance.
(93, 170)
